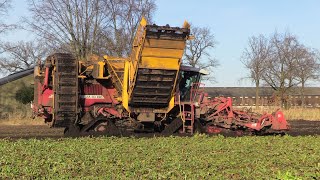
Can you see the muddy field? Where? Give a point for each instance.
(298, 127)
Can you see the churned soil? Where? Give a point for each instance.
(304, 128)
(298, 128)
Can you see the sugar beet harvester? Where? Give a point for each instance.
(149, 92)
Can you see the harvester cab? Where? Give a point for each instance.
(189, 81)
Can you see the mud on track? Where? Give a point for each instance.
(298, 127)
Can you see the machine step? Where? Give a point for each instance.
(188, 118)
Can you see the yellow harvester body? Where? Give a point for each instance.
(149, 76)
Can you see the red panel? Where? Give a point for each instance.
(93, 89)
(98, 94)
(47, 97)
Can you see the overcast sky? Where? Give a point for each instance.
(231, 21)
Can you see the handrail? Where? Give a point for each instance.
(113, 70)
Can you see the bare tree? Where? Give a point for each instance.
(281, 67)
(307, 68)
(4, 7)
(124, 17)
(197, 53)
(254, 58)
(84, 27)
(71, 25)
(21, 55)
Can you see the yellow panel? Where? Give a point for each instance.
(171, 104)
(159, 63)
(125, 97)
(169, 44)
(186, 24)
(143, 22)
(101, 69)
(117, 65)
(158, 52)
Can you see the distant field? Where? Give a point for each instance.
(300, 113)
(296, 113)
(23, 121)
(198, 157)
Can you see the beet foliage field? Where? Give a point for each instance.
(198, 157)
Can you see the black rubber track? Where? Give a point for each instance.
(65, 89)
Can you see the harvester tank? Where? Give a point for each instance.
(152, 70)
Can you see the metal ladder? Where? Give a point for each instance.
(188, 118)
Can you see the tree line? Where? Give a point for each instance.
(281, 62)
(86, 27)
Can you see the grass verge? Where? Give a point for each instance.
(198, 157)
(21, 121)
(303, 113)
